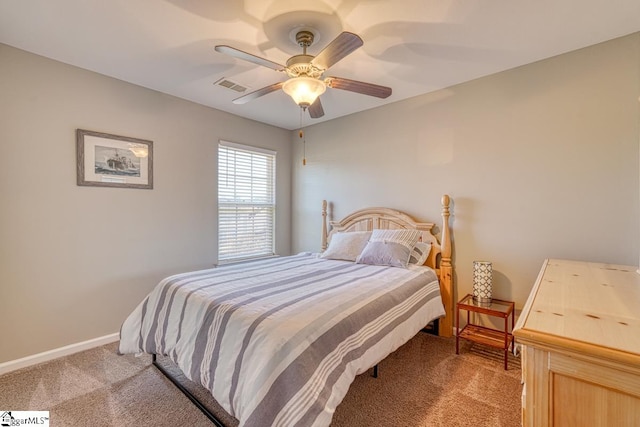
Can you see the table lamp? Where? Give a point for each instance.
(482, 282)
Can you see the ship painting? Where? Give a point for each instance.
(112, 161)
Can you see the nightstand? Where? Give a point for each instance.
(501, 339)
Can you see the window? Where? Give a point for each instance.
(246, 202)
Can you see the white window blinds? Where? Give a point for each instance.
(246, 202)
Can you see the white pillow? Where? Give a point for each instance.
(420, 253)
(389, 247)
(346, 245)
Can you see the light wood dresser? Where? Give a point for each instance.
(580, 336)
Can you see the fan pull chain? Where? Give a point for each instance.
(304, 139)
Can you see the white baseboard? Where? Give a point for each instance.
(46, 356)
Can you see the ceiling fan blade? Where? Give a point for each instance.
(316, 110)
(359, 87)
(240, 54)
(340, 47)
(257, 93)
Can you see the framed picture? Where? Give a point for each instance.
(106, 160)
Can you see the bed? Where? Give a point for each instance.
(278, 341)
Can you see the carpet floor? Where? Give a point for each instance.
(424, 383)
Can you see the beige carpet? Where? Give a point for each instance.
(424, 384)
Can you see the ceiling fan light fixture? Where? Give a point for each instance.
(304, 90)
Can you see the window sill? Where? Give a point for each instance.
(244, 260)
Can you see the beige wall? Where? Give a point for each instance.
(541, 161)
(76, 260)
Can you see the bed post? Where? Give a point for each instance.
(446, 271)
(323, 244)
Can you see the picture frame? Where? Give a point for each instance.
(106, 160)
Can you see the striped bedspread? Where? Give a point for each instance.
(278, 342)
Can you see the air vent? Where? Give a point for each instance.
(226, 83)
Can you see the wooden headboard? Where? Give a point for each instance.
(384, 218)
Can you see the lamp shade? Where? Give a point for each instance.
(304, 90)
(482, 281)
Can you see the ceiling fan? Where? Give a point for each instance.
(306, 73)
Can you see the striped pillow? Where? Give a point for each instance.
(420, 253)
(389, 247)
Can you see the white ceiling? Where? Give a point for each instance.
(412, 46)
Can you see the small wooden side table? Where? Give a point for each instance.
(481, 334)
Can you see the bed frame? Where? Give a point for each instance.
(365, 220)
(384, 218)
